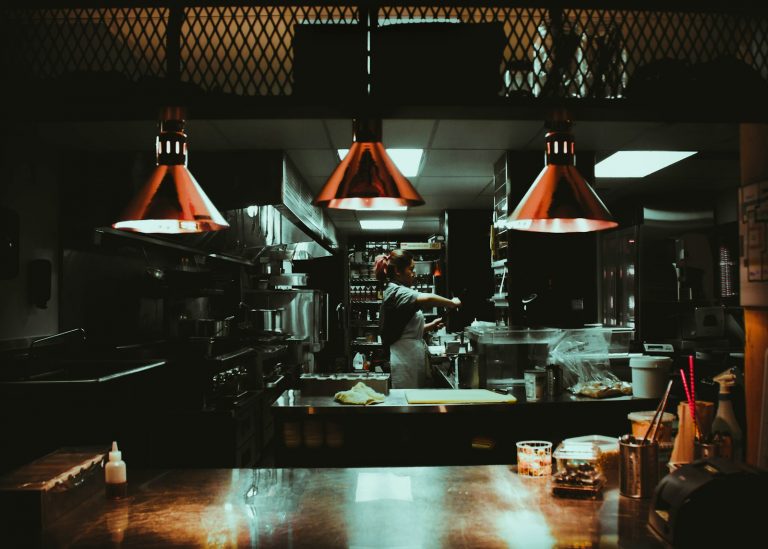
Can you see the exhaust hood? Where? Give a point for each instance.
(267, 204)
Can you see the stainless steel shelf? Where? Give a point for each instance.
(364, 324)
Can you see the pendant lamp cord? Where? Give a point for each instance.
(176, 19)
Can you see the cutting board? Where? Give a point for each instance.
(456, 396)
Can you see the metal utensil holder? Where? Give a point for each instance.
(638, 467)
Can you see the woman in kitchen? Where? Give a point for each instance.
(402, 321)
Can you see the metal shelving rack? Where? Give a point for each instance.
(362, 313)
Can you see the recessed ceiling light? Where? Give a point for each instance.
(638, 163)
(381, 224)
(406, 160)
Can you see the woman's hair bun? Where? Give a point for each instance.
(380, 266)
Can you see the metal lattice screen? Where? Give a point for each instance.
(249, 51)
(593, 52)
(48, 43)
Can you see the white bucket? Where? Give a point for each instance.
(649, 375)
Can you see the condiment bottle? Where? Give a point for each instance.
(115, 476)
(725, 428)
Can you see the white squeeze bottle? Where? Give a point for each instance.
(115, 476)
(725, 428)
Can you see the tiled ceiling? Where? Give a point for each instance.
(457, 168)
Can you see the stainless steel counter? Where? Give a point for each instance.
(316, 431)
(478, 506)
(292, 401)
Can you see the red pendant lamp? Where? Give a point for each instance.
(560, 199)
(171, 201)
(367, 179)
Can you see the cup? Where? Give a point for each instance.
(642, 420)
(638, 467)
(534, 458)
(705, 449)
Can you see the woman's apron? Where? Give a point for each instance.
(408, 357)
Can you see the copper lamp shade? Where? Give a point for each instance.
(171, 201)
(560, 200)
(367, 179)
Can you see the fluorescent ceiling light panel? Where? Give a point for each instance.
(406, 160)
(381, 224)
(638, 163)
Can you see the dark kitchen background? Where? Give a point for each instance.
(77, 145)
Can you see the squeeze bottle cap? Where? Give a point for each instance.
(115, 454)
(726, 380)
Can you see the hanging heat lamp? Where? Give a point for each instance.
(560, 200)
(171, 200)
(367, 178)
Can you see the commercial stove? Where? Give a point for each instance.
(220, 393)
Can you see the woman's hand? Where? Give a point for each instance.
(434, 325)
(456, 303)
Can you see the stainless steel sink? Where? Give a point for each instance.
(74, 371)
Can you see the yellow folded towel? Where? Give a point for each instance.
(359, 394)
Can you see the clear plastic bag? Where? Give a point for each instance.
(584, 357)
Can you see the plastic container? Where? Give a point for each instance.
(578, 472)
(641, 421)
(608, 460)
(598, 340)
(649, 375)
(534, 458)
(506, 352)
(571, 455)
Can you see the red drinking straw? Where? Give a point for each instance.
(687, 392)
(690, 406)
(693, 383)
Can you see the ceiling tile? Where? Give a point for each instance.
(598, 136)
(457, 185)
(477, 163)
(691, 137)
(407, 134)
(448, 202)
(315, 182)
(314, 162)
(485, 134)
(273, 134)
(340, 132)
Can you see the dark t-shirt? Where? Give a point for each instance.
(397, 308)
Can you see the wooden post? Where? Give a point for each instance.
(753, 293)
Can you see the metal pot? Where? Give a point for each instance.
(290, 280)
(265, 320)
(204, 327)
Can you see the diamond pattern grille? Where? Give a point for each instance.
(49, 43)
(248, 50)
(592, 53)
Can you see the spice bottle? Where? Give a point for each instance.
(115, 476)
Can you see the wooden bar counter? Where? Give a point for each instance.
(472, 506)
